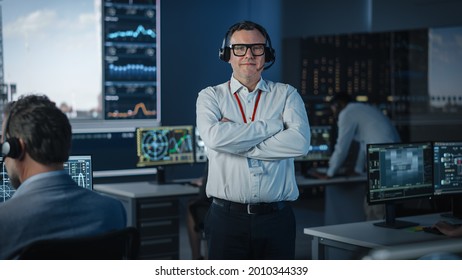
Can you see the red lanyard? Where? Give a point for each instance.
(242, 109)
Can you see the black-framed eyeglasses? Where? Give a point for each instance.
(241, 49)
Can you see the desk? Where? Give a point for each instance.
(363, 236)
(154, 210)
(343, 197)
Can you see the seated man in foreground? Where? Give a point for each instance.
(48, 203)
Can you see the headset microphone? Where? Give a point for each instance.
(262, 67)
(268, 66)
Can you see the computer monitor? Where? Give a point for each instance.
(397, 172)
(164, 145)
(320, 146)
(79, 167)
(447, 173)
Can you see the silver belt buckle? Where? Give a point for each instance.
(248, 210)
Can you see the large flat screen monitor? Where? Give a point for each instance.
(447, 173)
(78, 167)
(397, 172)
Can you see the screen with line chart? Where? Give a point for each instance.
(164, 145)
(78, 167)
(131, 59)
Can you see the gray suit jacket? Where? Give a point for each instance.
(55, 207)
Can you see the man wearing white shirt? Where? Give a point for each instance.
(253, 129)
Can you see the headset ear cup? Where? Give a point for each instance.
(269, 54)
(11, 148)
(220, 53)
(225, 54)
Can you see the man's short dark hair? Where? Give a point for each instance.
(245, 25)
(45, 130)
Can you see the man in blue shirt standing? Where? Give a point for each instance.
(48, 203)
(253, 129)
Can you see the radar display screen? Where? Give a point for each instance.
(164, 145)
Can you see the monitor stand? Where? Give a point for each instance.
(160, 175)
(390, 219)
(456, 207)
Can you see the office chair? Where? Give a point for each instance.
(116, 245)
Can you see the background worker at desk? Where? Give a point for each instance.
(253, 129)
(365, 124)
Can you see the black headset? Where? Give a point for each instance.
(225, 51)
(11, 147)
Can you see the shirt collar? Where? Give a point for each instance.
(236, 86)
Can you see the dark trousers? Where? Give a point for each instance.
(240, 236)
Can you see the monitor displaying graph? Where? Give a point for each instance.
(131, 59)
(78, 167)
(164, 145)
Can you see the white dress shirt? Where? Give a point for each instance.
(252, 161)
(365, 124)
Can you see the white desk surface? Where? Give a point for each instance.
(146, 189)
(365, 234)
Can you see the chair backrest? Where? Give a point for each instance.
(114, 245)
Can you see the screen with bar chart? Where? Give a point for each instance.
(78, 167)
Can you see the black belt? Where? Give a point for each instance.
(253, 208)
